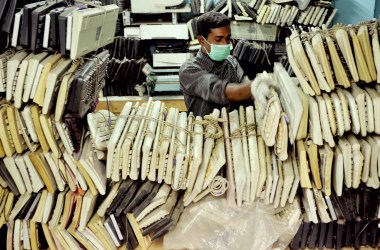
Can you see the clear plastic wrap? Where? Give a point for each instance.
(212, 224)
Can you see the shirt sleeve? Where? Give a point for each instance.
(198, 82)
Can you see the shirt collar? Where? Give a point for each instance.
(208, 63)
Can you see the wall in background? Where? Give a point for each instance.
(355, 11)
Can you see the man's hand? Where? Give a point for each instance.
(236, 92)
(261, 91)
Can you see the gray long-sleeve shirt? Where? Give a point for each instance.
(203, 83)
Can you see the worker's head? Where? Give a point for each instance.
(214, 35)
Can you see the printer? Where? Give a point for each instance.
(159, 6)
(158, 29)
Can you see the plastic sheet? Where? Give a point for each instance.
(212, 224)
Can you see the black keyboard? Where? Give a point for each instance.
(26, 26)
(62, 24)
(87, 84)
(8, 16)
(38, 23)
(54, 31)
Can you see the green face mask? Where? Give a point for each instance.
(219, 52)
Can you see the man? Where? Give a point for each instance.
(213, 78)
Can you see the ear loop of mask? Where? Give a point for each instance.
(208, 44)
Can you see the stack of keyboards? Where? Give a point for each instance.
(125, 67)
(279, 13)
(45, 98)
(254, 57)
(76, 179)
(73, 29)
(338, 72)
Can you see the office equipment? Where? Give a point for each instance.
(32, 83)
(45, 42)
(63, 92)
(343, 42)
(21, 165)
(101, 27)
(26, 27)
(51, 135)
(87, 84)
(217, 160)
(353, 108)
(54, 39)
(28, 130)
(52, 86)
(316, 66)
(164, 31)
(158, 200)
(7, 179)
(374, 96)
(330, 112)
(8, 16)
(32, 72)
(290, 100)
(50, 65)
(170, 59)
(35, 112)
(376, 49)
(37, 183)
(101, 125)
(4, 58)
(324, 119)
(54, 163)
(326, 159)
(361, 64)
(372, 180)
(94, 168)
(253, 31)
(38, 16)
(160, 211)
(21, 80)
(140, 195)
(5, 133)
(196, 155)
(306, 86)
(117, 134)
(362, 105)
(65, 29)
(366, 150)
(39, 162)
(13, 170)
(2, 8)
(312, 154)
(300, 56)
(16, 28)
(149, 138)
(15, 129)
(137, 144)
(13, 68)
(147, 6)
(357, 160)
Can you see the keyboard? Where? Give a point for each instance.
(87, 83)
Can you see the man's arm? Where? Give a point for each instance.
(236, 92)
(198, 82)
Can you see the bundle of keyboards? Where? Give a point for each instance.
(280, 13)
(77, 179)
(338, 72)
(73, 29)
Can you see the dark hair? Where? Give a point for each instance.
(211, 20)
